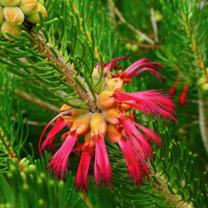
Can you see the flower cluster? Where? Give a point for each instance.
(14, 12)
(114, 120)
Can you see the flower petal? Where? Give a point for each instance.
(102, 169)
(140, 66)
(82, 172)
(48, 142)
(150, 134)
(132, 164)
(47, 126)
(150, 102)
(59, 162)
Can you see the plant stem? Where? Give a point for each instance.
(36, 101)
(173, 199)
(125, 22)
(203, 122)
(60, 62)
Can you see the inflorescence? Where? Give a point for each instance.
(87, 131)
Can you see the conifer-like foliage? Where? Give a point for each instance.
(52, 62)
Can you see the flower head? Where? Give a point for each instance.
(113, 121)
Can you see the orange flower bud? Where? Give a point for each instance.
(13, 15)
(73, 111)
(35, 16)
(11, 29)
(41, 2)
(1, 15)
(114, 84)
(69, 119)
(81, 124)
(96, 73)
(113, 133)
(28, 6)
(9, 3)
(105, 100)
(97, 124)
(112, 115)
(124, 107)
(65, 107)
(88, 139)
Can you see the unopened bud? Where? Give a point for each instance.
(205, 87)
(114, 84)
(9, 3)
(13, 15)
(106, 100)
(96, 73)
(41, 2)
(10, 29)
(65, 107)
(81, 124)
(112, 115)
(35, 17)
(113, 133)
(97, 124)
(124, 107)
(29, 6)
(1, 15)
(201, 81)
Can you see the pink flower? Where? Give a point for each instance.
(87, 129)
(102, 169)
(83, 169)
(59, 125)
(140, 66)
(150, 102)
(59, 162)
(112, 64)
(131, 161)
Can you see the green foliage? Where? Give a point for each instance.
(34, 187)
(184, 38)
(12, 134)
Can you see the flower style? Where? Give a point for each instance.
(113, 121)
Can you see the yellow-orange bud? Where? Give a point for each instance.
(28, 6)
(81, 124)
(205, 87)
(41, 2)
(114, 84)
(9, 3)
(112, 115)
(35, 16)
(106, 100)
(124, 106)
(113, 133)
(96, 73)
(13, 15)
(1, 15)
(65, 107)
(88, 139)
(11, 29)
(73, 111)
(98, 124)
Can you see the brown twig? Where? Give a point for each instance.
(86, 200)
(203, 122)
(36, 101)
(130, 26)
(69, 72)
(173, 199)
